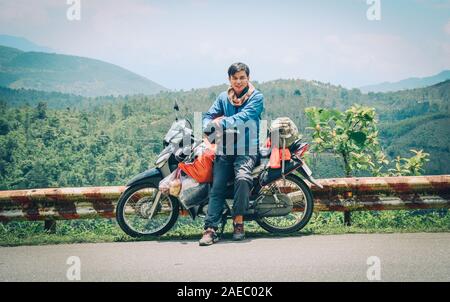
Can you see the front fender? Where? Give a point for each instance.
(311, 179)
(153, 176)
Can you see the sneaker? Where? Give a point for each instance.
(209, 237)
(238, 232)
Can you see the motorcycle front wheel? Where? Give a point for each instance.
(137, 215)
(301, 196)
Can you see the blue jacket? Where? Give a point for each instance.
(248, 115)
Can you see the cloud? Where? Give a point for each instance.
(365, 52)
(437, 4)
(115, 17)
(348, 59)
(22, 11)
(354, 59)
(447, 28)
(386, 56)
(217, 52)
(165, 41)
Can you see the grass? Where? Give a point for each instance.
(324, 223)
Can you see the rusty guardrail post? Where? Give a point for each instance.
(50, 226)
(347, 218)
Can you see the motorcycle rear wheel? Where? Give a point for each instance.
(298, 218)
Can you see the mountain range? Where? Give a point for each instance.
(409, 83)
(69, 74)
(22, 44)
(25, 64)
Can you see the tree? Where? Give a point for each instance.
(41, 110)
(4, 126)
(353, 135)
(410, 166)
(126, 111)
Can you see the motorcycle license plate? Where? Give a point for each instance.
(307, 169)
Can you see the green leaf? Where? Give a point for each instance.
(358, 137)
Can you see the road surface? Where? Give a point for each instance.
(349, 257)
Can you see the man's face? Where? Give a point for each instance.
(239, 81)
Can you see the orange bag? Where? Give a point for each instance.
(202, 168)
(276, 157)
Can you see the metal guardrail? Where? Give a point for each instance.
(383, 193)
(338, 194)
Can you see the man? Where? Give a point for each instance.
(238, 108)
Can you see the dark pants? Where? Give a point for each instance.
(225, 167)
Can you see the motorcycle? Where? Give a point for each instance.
(280, 200)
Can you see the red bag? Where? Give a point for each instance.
(202, 168)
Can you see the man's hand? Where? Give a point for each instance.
(218, 131)
(218, 126)
(217, 121)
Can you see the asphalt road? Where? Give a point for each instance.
(398, 257)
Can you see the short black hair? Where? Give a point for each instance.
(236, 67)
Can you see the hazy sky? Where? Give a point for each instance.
(187, 44)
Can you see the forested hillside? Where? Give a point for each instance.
(61, 140)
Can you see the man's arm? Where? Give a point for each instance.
(251, 111)
(214, 111)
